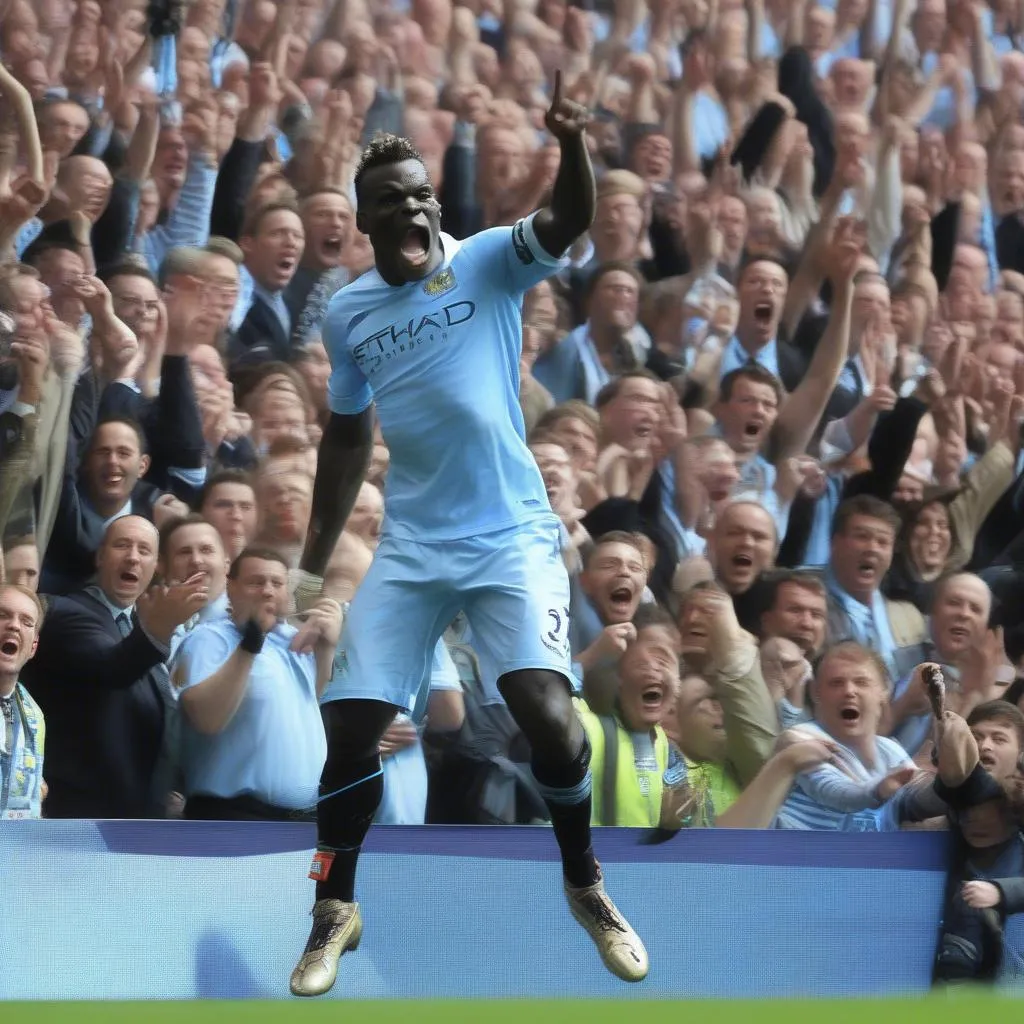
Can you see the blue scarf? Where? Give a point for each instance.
(869, 626)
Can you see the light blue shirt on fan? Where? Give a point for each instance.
(274, 748)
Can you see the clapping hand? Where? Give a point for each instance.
(162, 609)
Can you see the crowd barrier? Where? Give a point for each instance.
(187, 910)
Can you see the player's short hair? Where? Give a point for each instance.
(864, 505)
(384, 150)
(264, 554)
(756, 374)
(611, 390)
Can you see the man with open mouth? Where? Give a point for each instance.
(973, 662)
(21, 741)
(849, 692)
(863, 536)
(753, 406)
(432, 338)
(100, 677)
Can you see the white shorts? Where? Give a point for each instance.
(512, 585)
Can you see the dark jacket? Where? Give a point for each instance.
(261, 337)
(100, 694)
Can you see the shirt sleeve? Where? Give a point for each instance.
(831, 788)
(201, 654)
(348, 391)
(513, 257)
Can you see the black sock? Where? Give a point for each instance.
(350, 793)
(566, 791)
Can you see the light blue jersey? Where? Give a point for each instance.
(440, 358)
(467, 526)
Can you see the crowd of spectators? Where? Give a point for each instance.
(776, 400)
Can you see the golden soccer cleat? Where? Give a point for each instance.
(337, 929)
(620, 947)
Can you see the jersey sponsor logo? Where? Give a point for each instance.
(520, 245)
(397, 339)
(440, 284)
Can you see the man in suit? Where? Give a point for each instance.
(100, 677)
(273, 241)
(108, 484)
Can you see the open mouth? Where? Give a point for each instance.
(130, 578)
(987, 761)
(286, 264)
(763, 314)
(744, 562)
(752, 429)
(866, 570)
(415, 247)
(621, 599)
(332, 245)
(652, 697)
(960, 633)
(9, 647)
(850, 714)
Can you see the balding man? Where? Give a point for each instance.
(959, 640)
(99, 675)
(86, 184)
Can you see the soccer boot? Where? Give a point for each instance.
(337, 928)
(620, 947)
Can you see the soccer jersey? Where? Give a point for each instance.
(440, 357)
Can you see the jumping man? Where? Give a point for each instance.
(431, 337)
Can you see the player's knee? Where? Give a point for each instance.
(541, 704)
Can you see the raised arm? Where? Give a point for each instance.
(802, 411)
(574, 197)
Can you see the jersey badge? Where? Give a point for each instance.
(441, 283)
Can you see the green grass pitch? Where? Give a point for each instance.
(954, 1009)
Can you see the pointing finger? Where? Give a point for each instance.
(556, 96)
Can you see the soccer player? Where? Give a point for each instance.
(432, 337)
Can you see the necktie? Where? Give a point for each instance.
(124, 623)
